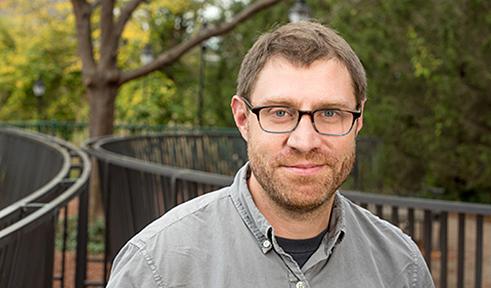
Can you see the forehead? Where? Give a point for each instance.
(325, 82)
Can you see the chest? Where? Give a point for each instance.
(246, 265)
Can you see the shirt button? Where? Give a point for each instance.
(300, 284)
(266, 244)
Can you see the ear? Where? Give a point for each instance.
(359, 121)
(240, 112)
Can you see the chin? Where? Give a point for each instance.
(300, 204)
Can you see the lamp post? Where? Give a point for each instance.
(146, 57)
(147, 54)
(201, 88)
(300, 11)
(39, 89)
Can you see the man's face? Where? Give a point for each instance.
(301, 170)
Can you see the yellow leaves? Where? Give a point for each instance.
(74, 66)
(37, 40)
(175, 7)
(63, 6)
(34, 19)
(134, 32)
(136, 29)
(145, 100)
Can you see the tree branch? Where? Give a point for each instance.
(82, 12)
(126, 13)
(177, 51)
(108, 53)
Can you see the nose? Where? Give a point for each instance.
(304, 138)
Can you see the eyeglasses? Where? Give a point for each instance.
(284, 119)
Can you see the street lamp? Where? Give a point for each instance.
(146, 57)
(300, 11)
(201, 88)
(147, 54)
(39, 89)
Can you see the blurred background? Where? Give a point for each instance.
(82, 69)
(428, 66)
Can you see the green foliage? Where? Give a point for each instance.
(95, 234)
(428, 97)
(427, 64)
(38, 44)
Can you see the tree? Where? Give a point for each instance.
(102, 77)
(428, 95)
(38, 43)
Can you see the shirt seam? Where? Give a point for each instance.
(415, 270)
(412, 268)
(151, 265)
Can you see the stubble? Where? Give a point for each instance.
(300, 195)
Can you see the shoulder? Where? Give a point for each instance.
(361, 220)
(387, 244)
(176, 243)
(133, 267)
(185, 217)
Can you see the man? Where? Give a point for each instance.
(282, 223)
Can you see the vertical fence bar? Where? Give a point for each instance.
(427, 237)
(50, 232)
(479, 251)
(461, 251)
(443, 249)
(107, 222)
(395, 215)
(379, 210)
(410, 216)
(63, 249)
(82, 228)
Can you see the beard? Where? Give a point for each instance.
(300, 194)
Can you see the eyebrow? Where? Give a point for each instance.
(332, 105)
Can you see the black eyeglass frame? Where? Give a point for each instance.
(257, 109)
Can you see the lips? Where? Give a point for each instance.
(303, 169)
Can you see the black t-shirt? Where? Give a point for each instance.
(301, 249)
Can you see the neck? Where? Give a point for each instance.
(291, 224)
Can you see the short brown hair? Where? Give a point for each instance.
(300, 43)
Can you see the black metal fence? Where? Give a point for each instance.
(145, 176)
(39, 175)
(79, 131)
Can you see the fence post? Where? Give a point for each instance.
(83, 215)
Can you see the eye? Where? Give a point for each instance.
(328, 113)
(280, 112)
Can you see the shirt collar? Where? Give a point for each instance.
(262, 229)
(337, 223)
(252, 217)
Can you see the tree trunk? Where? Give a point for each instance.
(101, 103)
(101, 118)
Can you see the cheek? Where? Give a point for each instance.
(344, 147)
(265, 145)
(339, 147)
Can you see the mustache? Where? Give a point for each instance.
(311, 157)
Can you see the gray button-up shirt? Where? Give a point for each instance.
(222, 240)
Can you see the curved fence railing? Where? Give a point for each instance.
(39, 175)
(144, 176)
